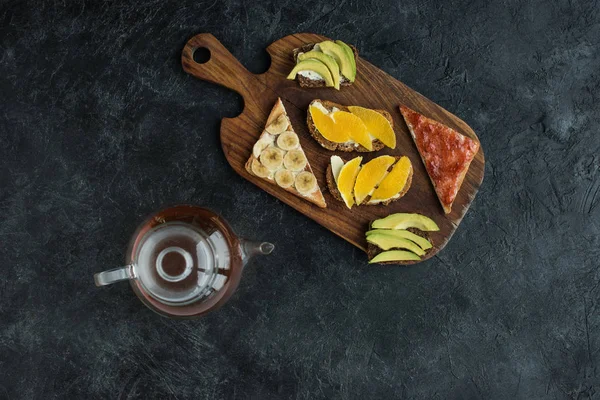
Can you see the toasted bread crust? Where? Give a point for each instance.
(305, 82)
(314, 83)
(332, 187)
(373, 250)
(316, 197)
(329, 145)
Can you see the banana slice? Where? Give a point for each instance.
(278, 126)
(262, 144)
(288, 141)
(305, 182)
(272, 158)
(295, 160)
(284, 178)
(259, 170)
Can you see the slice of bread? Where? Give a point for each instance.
(347, 147)
(407, 113)
(373, 250)
(333, 189)
(316, 197)
(316, 83)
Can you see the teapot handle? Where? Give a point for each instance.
(114, 275)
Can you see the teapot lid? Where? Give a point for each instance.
(178, 263)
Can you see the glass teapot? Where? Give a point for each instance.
(184, 261)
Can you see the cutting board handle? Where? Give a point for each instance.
(221, 68)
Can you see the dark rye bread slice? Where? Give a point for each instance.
(373, 250)
(315, 83)
(333, 189)
(347, 147)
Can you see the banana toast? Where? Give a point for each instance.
(278, 158)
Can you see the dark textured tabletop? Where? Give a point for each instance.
(100, 126)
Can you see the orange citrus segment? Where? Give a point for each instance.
(354, 127)
(376, 124)
(371, 174)
(394, 182)
(346, 179)
(327, 126)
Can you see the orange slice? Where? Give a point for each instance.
(327, 126)
(394, 182)
(376, 124)
(346, 180)
(354, 127)
(371, 174)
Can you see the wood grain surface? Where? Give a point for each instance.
(373, 88)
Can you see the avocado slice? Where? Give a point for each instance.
(386, 242)
(315, 66)
(403, 234)
(395, 255)
(350, 53)
(341, 57)
(329, 61)
(406, 220)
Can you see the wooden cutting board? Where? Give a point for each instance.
(373, 88)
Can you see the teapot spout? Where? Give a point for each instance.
(251, 249)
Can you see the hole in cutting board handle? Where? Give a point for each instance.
(201, 55)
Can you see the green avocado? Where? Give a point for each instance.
(315, 66)
(341, 57)
(403, 234)
(329, 61)
(350, 53)
(386, 242)
(404, 221)
(394, 255)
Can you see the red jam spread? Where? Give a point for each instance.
(446, 153)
